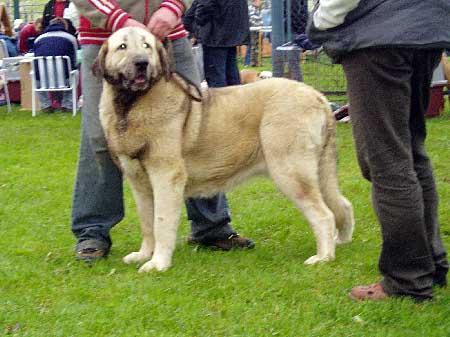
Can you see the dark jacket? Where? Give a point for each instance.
(189, 22)
(220, 23)
(56, 41)
(387, 24)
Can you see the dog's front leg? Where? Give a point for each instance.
(143, 196)
(168, 195)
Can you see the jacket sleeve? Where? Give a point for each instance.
(103, 13)
(205, 11)
(189, 19)
(46, 15)
(332, 13)
(24, 35)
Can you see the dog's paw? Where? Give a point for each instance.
(154, 264)
(316, 259)
(343, 240)
(136, 257)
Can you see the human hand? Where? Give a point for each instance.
(162, 22)
(133, 23)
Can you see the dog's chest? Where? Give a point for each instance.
(124, 137)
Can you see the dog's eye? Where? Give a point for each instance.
(123, 46)
(146, 45)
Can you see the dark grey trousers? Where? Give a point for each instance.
(388, 92)
(98, 194)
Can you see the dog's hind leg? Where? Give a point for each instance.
(300, 183)
(168, 194)
(143, 196)
(339, 205)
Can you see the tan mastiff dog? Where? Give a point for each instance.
(172, 142)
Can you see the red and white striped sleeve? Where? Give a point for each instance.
(174, 6)
(103, 13)
(116, 16)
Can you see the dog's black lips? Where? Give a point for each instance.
(125, 98)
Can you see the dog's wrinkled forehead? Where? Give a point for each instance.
(132, 39)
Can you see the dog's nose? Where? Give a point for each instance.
(141, 65)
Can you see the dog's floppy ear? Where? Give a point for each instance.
(190, 89)
(98, 68)
(165, 57)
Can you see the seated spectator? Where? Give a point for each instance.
(56, 41)
(30, 31)
(6, 32)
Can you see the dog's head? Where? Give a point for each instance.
(132, 59)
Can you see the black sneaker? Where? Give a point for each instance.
(48, 110)
(91, 250)
(234, 241)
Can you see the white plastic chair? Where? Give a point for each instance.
(52, 78)
(4, 72)
(3, 49)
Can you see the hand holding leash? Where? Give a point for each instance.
(162, 23)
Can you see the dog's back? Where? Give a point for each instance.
(229, 147)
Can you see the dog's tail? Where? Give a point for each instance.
(338, 204)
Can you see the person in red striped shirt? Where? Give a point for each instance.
(98, 195)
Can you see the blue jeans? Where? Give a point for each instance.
(247, 55)
(98, 192)
(45, 101)
(220, 65)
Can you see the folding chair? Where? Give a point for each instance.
(55, 74)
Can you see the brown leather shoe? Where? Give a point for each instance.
(231, 242)
(374, 292)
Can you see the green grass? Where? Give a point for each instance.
(264, 292)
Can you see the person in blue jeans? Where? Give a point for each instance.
(98, 192)
(221, 26)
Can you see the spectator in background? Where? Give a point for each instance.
(55, 9)
(56, 41)
(5, 22)
(255, 19)
(28, 34)
(389, 50)
(222, 25)
(291, 56)
(72, 15)
(6, 33)
(18, 26)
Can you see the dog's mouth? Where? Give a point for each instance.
(140, 80)
(136, 83)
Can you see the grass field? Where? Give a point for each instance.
(263, 292)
